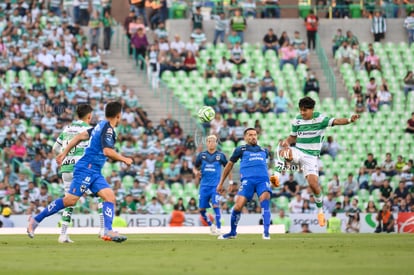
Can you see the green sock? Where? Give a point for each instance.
(318, 200)
(66, 217)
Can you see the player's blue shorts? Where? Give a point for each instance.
(84, 179)
(249, 187)
(207, 194)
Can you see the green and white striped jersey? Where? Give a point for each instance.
(310, 133)
(76, 153)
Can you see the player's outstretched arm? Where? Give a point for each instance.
(346, 121)
(226, 171)
(78, 138)
(112, 154)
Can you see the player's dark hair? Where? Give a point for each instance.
(248, 129)
(307, 103)
(82, 110)
(112, 109)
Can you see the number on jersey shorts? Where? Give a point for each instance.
(308, 163)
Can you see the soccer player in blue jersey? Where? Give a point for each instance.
(208, 166)
(87, 173)
(254, 179)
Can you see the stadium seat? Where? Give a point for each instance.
(127, 182)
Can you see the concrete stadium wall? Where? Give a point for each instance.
(257, 29)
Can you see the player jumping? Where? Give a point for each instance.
(307, 133)
(208, 166)
(87, 173)
(254, 179)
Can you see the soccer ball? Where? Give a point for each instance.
(206, 114)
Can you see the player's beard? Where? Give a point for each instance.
(253, 142)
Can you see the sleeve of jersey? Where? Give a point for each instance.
(236, 155)
(294, 131)
(108, 138)
(327, 122)
(90, 131)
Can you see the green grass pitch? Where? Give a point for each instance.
(204, 254)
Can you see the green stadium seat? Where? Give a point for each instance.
(127, 182)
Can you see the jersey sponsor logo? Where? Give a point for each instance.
(218, 157)
(83, 188)
(307, 133)
(109, 131)
(68, 161)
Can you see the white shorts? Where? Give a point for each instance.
(308, 163)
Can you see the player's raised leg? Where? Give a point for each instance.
(54, 207)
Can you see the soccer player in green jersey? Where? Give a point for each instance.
(84, 113)
(307, 133)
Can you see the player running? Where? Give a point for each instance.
(307, 133)
(87, 173)
(254, 179)
(84, 113)
(208, 166)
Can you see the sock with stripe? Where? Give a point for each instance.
(108, 214)
(234, 221)
(319, 202)
(54, 207)
(218, 217)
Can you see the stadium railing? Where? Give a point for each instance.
(327, 70)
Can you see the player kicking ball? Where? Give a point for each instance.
(208, 167)
(87, 173)
(254, 179)
(307, 133)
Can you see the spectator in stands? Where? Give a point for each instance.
(334, 186)
(238, 131)
(311, 84)
(95, 25)
(388, 166)
(177, 217)
(250, 104)
(353, 224)
(296, 204)
(370, 164)
(176, 62)
(140, 44)
(401, 191)
(297, 40)
(283, 220)
(128, 205)
(303, 54)
(233, 38)
(407, 173)
(163, 193)
(378, 26)
(371, 208)
(189, 62)
(311, 24)
(337, 41)
(197, 19)
(357, 88)
(249, 8)
(288, 54)
(264, 104)
(385, 220)
(267, 83)
(107, 23)
(199, 38)
(178, 45)
(372, 61)
(172, 173)
(270, 42)
(386, 191)
(154, 207)
(371, 87)
(5, 218)
(344, 54)
(236, 55)
(224, 133)
(403, 207)
(350, 186)
(377, 179)
(409, 26)
(372, 103)
(161, 32)
(238, 24)
(216, 124)
(209, 69)
(238, 104)
(192, 46)
(221, 27)
(410, 124)
(238, 83)
(224, 103)
(408, 82)
(192, 207)
(351, 39)
(400, 163)
(252, 81)
(281, 103)
(331, 147)
(224, 68)
(290, 187)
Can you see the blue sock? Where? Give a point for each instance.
(204, 216)
(218, 217)
(51, 209)
(108, 209)
(234, 220)
(265, 205)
